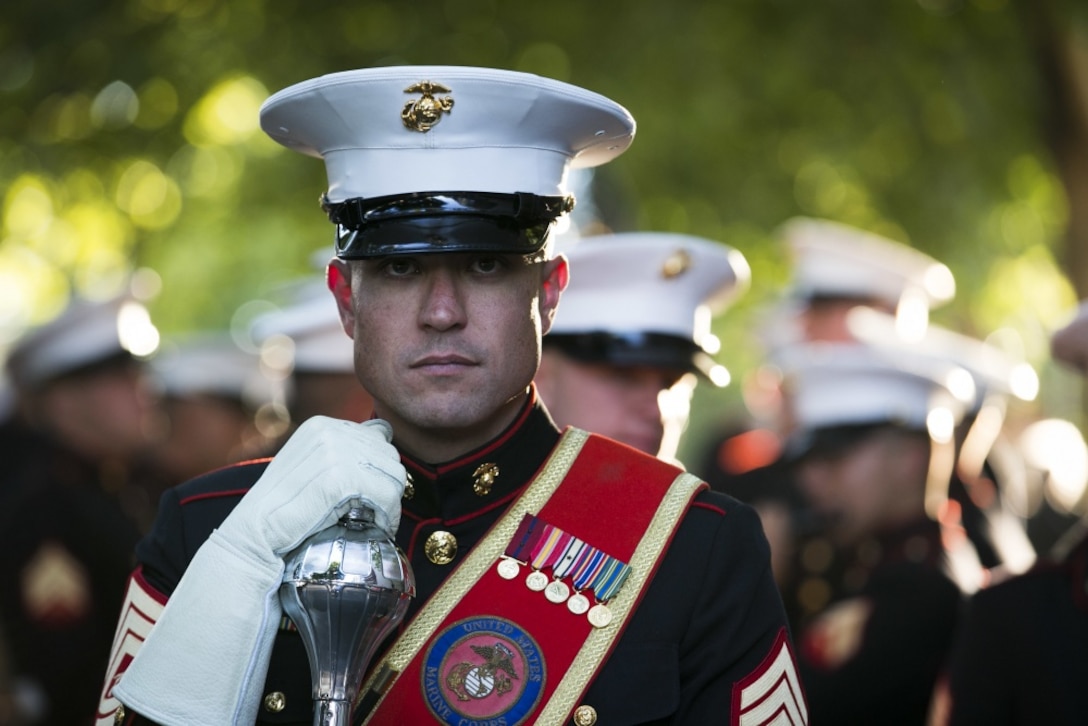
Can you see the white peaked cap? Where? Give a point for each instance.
(312, 323)
(653, 282)
(85, 333)
(994, 370)
(650, 283)
(495, 130)
(213, 364)
(836, 260)
(851, 384)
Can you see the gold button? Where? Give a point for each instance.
(585, 716)
(275, 702)
(119, 715)
(440, 548)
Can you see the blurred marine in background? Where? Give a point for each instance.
(305, 340)
(219, 406)
(84, 417)
(879, 583)
(835, 269)
(1021, 652)
(633, 334)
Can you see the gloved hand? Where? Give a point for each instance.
(326, 467)
(206, 659)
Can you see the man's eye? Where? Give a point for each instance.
(395, 266)
(487, 264)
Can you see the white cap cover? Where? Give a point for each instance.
(213, 364)
(84, 334)
(649, 282)
(401, 129)
(994, 370)
(835, 260)
(850, 384)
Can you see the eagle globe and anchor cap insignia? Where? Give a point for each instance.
(423, 113)
(483, 669)
(676, 264)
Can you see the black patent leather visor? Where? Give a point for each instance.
(430, 222)
(828, 443)
(656, 350)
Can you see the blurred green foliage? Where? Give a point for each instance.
(129, 139)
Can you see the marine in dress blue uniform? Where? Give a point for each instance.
(1020, 649)
(708, 641)
(633, 338)
(875, 595)
(1019, 653)
(835, 269)
(66, 536)
(304, 331)
(710, 605)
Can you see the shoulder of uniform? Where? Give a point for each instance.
(716, 502)
(227, 482)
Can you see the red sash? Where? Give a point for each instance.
(487, 650)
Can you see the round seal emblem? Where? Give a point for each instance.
(482, 669)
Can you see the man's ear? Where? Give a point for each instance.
(338, 278)
(556, 277)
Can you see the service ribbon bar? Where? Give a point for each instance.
(523, 538)
(545, 547)
(566, 561)
(609, 580)
(549, 548)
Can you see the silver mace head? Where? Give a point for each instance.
(345, 588)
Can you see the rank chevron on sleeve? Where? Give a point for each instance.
(142, 608)
(771, 694)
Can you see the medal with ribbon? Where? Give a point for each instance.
(547, 552)
(529, 530)
(543, 546)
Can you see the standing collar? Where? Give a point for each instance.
(446, 490)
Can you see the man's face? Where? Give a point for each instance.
(825, 319)
(621, 402)
(106, 413)
(447, 343)
(875, 483)
(205, 433)
(828, 318)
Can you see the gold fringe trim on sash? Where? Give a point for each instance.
(600, 640)
(482, 557)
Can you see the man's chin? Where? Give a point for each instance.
(453, 412)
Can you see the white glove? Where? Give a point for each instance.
(206, 659)
(325, 468)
